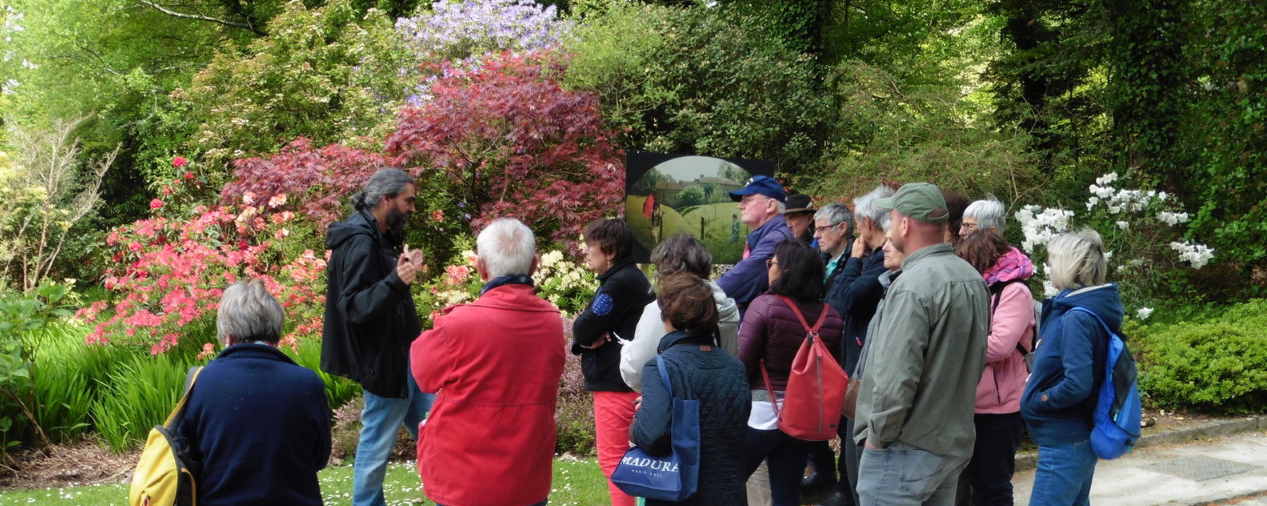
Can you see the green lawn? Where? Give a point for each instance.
(576, 482)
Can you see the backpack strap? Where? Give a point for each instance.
(1103, 325)
(822, 316)
(997, 290)
(190, 378)
(773, 400)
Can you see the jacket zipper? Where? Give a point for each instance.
(818, 375)
(997, 396)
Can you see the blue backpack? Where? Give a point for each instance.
(1117, 410)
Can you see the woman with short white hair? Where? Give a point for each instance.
(257, 424)
(988, 214)
(1068, 368)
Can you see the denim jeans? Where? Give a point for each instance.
(380, 422)
(904, 475)
(1063, 475)
(785, 458)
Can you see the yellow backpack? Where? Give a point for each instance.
(162, 476)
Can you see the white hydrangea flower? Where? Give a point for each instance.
(1172, 219)
(1144, 312)
(1195, 254)
(1106, 179)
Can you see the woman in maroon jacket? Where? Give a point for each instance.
(771, 334)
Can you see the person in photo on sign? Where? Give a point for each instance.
(697, 369)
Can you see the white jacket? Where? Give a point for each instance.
(635, 354)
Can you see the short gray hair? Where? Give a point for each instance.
(834, 214)
(507, 247)
(384, 183)
(249, 313)
(864, 206)
(989, 213)
(1077, 260)
(682, 253)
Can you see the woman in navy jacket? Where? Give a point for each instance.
(256, 423)
(1059, 398)
(697, 369)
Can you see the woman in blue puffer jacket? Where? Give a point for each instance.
(1060, 398)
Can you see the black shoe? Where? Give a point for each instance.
(816, 485)
(836, 499)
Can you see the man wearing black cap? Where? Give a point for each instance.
(800, 217)
(761, 204)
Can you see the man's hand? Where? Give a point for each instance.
(408, 265)
(859, 247)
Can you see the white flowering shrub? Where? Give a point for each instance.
(1143, 232)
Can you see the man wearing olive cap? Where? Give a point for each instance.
(761, 205)
(927, 341)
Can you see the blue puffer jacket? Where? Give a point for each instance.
(1069, 365)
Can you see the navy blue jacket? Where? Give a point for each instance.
(1068, 368)
(716, 379)
(854, 294)
(748, 279)
(258, 429)
(615, 309)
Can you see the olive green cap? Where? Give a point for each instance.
(921, 201)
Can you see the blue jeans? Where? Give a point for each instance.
(380, 422)
(1063, 476)
(905, 475)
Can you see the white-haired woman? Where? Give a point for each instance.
(257, 424)
(987, 214)
(1059, 398)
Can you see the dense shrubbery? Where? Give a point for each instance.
(1215, 364)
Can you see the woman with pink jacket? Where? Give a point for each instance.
(999, 425)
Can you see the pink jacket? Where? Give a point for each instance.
(1003, 379)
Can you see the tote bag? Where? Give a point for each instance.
(671, 478)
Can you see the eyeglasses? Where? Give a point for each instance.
(968, 227)
(770, 261)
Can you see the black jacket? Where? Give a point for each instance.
(835, 273)
(615, 309)
(716, 379)
(258, 429)
(370, 315)
(854, 294)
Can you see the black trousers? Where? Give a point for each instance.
(826, 461)
(989, 473)
(784, 455)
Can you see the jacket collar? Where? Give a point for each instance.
(925, 252)
(518, 279)
(677, 337)
(613, 270)
(513, 297)
(775, 222)
(253, 350)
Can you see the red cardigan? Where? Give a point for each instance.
(495, 365)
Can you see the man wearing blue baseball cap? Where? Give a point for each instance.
(761, 205)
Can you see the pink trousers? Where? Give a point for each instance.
(613, 414)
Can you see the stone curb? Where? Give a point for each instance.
(1218, 428)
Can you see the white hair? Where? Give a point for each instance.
(864, 206)
(989, 213)
(249, 313)
(1077, 260)
(507, 247)
(779, 206)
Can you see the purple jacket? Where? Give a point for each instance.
(771, 332)
(747, 279)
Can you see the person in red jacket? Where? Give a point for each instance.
(495, 364)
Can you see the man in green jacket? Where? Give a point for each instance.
(925, 352)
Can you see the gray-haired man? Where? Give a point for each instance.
(371, 319)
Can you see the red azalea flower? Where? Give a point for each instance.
(156, 204)
(179, 162)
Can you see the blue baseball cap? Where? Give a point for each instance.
(759, 184)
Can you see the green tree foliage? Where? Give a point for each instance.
(328, 74)
(893, 131)
(695, 79)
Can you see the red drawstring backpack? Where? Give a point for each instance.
(815, 394)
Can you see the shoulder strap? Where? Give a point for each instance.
(822, 316)
(997, 296)
(1103, 325)
(190, 378)
(773, 400)
(664, 374)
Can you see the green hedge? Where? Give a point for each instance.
(1215, 364)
